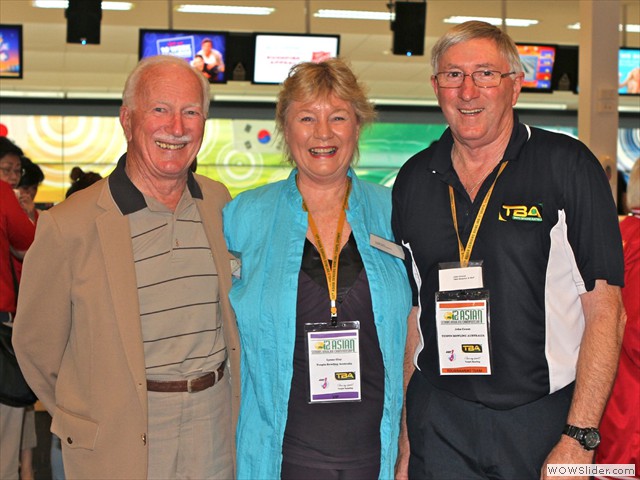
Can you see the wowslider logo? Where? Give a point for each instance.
(520, 213)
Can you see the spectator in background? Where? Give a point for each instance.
(31, 179)
(620, 425)
(16, 235)
(81, 180)
(27, 189)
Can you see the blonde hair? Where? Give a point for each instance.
(310, 81)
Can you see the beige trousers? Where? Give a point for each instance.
(190, 434)
(10, 434)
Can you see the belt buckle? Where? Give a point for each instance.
(189, 388)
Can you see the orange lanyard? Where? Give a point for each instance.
(465, 253)
(331, 270)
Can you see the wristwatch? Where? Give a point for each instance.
(589, 437)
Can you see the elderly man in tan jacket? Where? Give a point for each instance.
(124, 329)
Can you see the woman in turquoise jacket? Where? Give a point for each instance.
(321, 297)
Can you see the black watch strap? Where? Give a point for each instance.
(588, 438)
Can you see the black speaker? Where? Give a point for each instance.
(83, 21)
(408, 28)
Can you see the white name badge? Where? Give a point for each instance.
(463, 336)
(460, 278)
(386, 246)
(334, 363)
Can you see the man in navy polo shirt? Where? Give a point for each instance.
(515, 257)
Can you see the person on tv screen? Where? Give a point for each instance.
(214, 63)
(632, 82)
(198, 64)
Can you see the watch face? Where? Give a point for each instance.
(591, 440)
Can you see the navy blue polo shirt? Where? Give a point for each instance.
(549, 232)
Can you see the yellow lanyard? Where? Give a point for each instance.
(331, 271)
(465, 253)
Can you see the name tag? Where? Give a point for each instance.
(460, 278)
(386, 246)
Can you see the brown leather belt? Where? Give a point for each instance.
(191, 385)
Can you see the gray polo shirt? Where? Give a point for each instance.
(177, 283)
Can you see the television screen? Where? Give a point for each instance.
(204, 50)
(276, 53)
(565, 69)
(11, 51)
(537, 62)
(629, 71)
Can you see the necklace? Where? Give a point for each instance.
(484, 175)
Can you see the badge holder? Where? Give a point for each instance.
(462, 321)
(333, 352)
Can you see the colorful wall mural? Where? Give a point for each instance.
(242, 154)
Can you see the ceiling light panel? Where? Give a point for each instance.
(511, 22)
(117, 6)
(225, 9)
(354, 14)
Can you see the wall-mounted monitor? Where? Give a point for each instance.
(629, 71)
(11, 64)
(205, 50)
(276, 53)
(565, 69)
(537, 62)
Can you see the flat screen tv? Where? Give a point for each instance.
(205, 50)
(276, 53)
(537, 62)
(565, 69)
(11, 65)
(629, 71)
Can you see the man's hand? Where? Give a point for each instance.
(567, 451)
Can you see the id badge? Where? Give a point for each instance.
(462, 323)
(452, 276)
(334, 362)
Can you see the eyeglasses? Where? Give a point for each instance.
(481, 78)
(16, 171)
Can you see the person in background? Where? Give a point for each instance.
(28, 185)
(81, 180)
(515, 224)
(620, 425)
(16, 235)
(310, 265)
(129, 340)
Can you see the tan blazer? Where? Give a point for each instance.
(78, 336)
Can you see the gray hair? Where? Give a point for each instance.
(131, 85)
(472, 30)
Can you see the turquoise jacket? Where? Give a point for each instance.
(266, 228)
